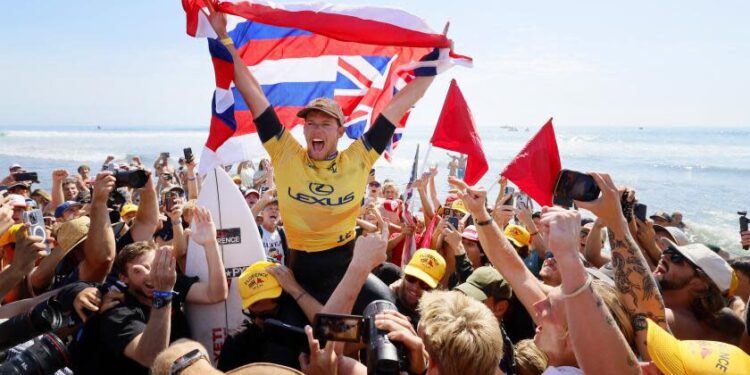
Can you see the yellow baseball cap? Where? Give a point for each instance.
(518, 235)
(427, 265)
(10, 235)
(128, 208)
(256, 284)
(675, 357)
(458, 205)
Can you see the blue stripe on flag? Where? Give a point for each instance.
(218, 50)
(298, 94)
(227, 117)
(379, 62)
(247, 31)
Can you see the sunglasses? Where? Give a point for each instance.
(413, 280)
(674, 256)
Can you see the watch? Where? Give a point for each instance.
(159, 302)
(186, 361)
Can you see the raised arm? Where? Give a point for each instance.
(193, 187)
(599, 346)
(498, 249)
(155, 337)
(244, 81)
(214, 289)
(406, 98)
(58, 197)
(99, 248)
(635, 285)
(433, 190)
(28, 249)
(147, 216)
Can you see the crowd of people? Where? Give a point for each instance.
(94, 271)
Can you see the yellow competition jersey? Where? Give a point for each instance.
(319, 200)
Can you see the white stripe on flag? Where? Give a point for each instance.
(305, 69)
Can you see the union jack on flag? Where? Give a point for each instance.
(359, 56)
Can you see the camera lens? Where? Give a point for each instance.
(44, 357)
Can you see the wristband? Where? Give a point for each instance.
(227, 41)
(164, 294)
(191, 178)
(580, 289)
(177, 222)
(485, 222)
(186, 361)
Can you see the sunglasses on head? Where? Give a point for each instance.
(413, 280)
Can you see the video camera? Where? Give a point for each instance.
(131, 178)
(744, 221)
(383, 355)
(48, 353)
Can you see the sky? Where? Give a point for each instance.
(585, 63)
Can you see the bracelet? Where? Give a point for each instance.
(534, 234)
(191, 178)
(485, 222)
(177, 222)
(580, 289)
(227, 41)
(300, 296)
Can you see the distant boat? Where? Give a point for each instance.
(640, 128)
(98, 127)
(509, 128)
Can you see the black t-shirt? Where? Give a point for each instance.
(517, 321)
(100, 347)
(405, 310)
(242, 347)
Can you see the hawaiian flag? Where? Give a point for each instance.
(358, 55)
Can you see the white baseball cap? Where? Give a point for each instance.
(676, 235)
(715, 267)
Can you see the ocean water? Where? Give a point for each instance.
(702, 172)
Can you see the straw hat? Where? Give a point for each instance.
(73, 232)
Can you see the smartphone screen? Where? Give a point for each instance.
(336, 327)
(572, 185)
(188, 154)
(640, 211)
(453, 221)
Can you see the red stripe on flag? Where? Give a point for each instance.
(218, 134)
(223, 72)
(355, 72)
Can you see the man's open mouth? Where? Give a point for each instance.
(317, 144)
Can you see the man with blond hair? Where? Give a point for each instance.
(459, 334)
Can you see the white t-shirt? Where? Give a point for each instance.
(272, 244)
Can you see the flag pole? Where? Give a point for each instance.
(424, 162)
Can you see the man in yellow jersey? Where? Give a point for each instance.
(320, 190)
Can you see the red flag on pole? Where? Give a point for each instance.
(534, 170)
(456, 131)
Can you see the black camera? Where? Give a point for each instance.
(383, 355)
(27, 176)
(47, 355)
(135, 178)
(44, 317)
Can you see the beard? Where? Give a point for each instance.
(665, 284)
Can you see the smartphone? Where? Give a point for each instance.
(26, 176)
(572, 185)
(287, 335)
(447, 212)
(188, 152)
(164, 155)
(640, 211)
(510, 190)
(453, 221)
(35, 219)
(338, 327)
(169, 203)
(523, 201)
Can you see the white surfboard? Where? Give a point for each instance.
(239, 246)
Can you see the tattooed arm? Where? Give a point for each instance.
(597, 342)
(635, 285)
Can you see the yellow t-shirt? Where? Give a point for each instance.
(319, 201)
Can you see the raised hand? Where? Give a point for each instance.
(163, 270)
(474, 198)
(451, 236)
(320, 362)
(370, 250)
(176, 212)
(607, 206)
(561, 229)
(205, 231)
(286, 279)
(28, 250)
(103, 186)
(59, 175)
(217, 20)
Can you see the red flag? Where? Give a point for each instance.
(456, 131)
(427, 237)
(534, 170)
